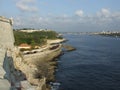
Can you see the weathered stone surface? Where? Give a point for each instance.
(25, 85)
(4, 84)
(2, 56)
(6, 39)
(6, 33)
(2, 73)
(6, 44)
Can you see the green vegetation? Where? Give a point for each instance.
(34, 38)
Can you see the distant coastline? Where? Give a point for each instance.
(113, 34)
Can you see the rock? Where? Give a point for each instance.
(69, 47)
(25, 85)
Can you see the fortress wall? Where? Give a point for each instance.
(6, 33)
(6, 37)
(6, 43)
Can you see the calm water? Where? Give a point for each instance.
(95, 65)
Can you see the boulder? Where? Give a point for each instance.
(69, 47)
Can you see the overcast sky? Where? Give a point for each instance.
(63, 15)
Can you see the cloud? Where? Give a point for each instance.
(79, 13)
(104, 12)
(104, 20)
(26, 5)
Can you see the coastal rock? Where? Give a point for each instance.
(69, 48)
(56, 41)
(38, 67)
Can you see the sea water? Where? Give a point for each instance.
(95, 65)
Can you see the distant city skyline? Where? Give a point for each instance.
(63, 15)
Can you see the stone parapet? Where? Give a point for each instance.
(3, 19)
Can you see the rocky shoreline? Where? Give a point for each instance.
(39, 68)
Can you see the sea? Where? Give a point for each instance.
(94, 65)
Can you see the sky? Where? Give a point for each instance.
(63, 15)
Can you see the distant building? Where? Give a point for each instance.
(34, 30)
(24, 46)
(29, 31)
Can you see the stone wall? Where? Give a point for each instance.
(6, 33)
(6, 43)
(6, 39)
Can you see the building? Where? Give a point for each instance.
(24, 46)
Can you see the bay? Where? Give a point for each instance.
(95, 65)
